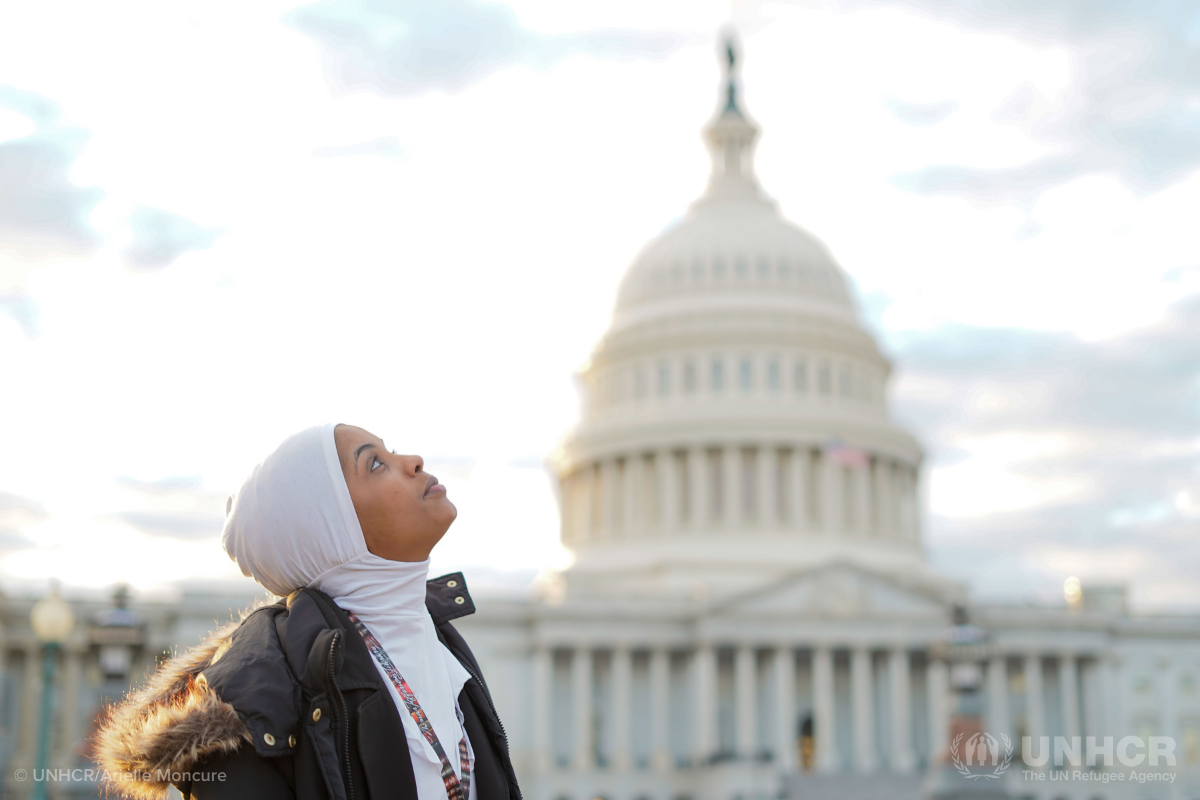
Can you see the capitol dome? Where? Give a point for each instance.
(734, 414)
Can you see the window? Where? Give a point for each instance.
(718, 375)
(800, 377)
(845, 380)
(764, 268)
(785, 269)
(746, 375)
(664, 379)
(697, 271)
(773, 375)
(718, 268)
(742, 267)
(689, 377)
(825, 379)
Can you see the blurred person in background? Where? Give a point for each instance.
(354, 686)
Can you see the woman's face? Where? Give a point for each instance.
(402, 509)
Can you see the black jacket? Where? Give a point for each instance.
(289, 704)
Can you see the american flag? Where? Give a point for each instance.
(838, 452)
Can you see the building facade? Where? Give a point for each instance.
(750, 613)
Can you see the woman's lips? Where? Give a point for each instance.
(433, 488)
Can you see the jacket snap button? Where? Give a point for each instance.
(316, 715)
(460, 600)
(269, 739)
(292, 740)
(452, 584)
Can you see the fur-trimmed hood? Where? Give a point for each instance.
(170, 725)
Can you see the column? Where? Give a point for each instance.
(731, 485)
(887, 503)
(660, 698)
(903, 760)
(824, 722)
(1068, 684)
(543, 681)
(581, 682)
(1110, 692)
(831, 489)
(622, 667)
(745, 701)
(908, 505)
(860, 698)
(704, 668)
(594, 501)
(666, 502)
(698, 488)
(1168, 679)
(937, 678)
(785, 703)
(768, 486)
(862, 500)
(608, 495)
(635, 515)
(997, 678)
(1035, 718)
(878, 498)
(798, 490)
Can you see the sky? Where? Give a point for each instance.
(221, 223)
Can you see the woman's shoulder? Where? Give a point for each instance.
(204, 704)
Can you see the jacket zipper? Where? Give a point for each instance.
(345, 715)
(488, 696)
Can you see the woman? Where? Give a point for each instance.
(356, 686)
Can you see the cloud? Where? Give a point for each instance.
(174, 525)
(386, 146)
(15, 513)
(1132, 109)
(160, 237)
(22, 309)
(401, 47)
(1070, 447)
(41, 208)
(176, 507)
(170, 485)
(922, 114)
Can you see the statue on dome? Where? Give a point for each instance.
(730, 64)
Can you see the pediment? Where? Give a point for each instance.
(847, 591)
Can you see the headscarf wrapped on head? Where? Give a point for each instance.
(293, 525)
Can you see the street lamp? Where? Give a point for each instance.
(52, 622)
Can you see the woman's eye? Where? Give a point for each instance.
(375, 462)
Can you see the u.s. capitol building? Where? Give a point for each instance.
(749, 613)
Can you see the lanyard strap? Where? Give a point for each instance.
(455, 789)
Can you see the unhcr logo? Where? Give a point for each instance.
(974, 755)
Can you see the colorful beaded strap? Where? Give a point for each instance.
(455, 789)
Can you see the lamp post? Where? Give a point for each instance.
(52, 622)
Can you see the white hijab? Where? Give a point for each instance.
(293, 525)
